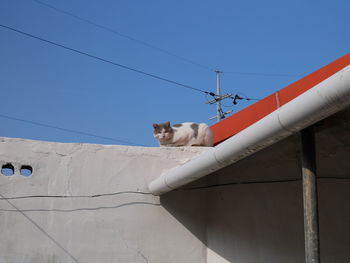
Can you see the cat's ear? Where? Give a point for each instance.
(167, 124)
(155, 126)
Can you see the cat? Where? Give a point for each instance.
(184, 134)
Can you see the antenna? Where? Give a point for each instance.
(218, 98)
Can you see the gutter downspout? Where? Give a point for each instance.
(322, 100)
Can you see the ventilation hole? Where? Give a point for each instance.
(26, 170)
(8, 169)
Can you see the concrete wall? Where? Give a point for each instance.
(124, 227)
(263, 223)
(261, 220)
(252, 222)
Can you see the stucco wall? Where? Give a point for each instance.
(256, 221)
(263, 223)
(256, 216)
(91, 226)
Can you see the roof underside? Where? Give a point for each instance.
(281, 161)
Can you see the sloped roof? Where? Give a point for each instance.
(276, 117)
(246, 117)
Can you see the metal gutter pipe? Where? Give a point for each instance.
(322, 100)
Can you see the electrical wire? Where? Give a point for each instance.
(122, 35)
(262, 74)
(234, 98)
(112, 62)
(68, 130)
(153, 46)
(237, 97)
(101, 59)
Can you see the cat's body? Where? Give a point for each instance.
(184, 134)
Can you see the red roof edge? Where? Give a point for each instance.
(248, 116)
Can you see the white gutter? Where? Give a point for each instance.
(319, 102)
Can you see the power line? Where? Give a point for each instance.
(262, 74)
(102, 59)
(217, 98)
(122, 35)
(118, 65)
(68, 130)
(111, 30)
(237, 97)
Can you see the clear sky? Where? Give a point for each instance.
(261, 46)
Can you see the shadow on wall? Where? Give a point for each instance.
(263, 222)
(243, 224)
(189, 207)
(256, 223)
(246, 223)
(334, 214)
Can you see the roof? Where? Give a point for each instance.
(306, 102)
(246, 117)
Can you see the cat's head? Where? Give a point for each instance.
(163, 131)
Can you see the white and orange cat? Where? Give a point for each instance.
(184, 134)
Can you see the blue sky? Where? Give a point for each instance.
(261, 46)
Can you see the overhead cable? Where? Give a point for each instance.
(111, 30)
(101, 59)
(261, 74)
(68, 130)
(112, 62)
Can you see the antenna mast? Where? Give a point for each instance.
(218, 98)
(219, 113)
